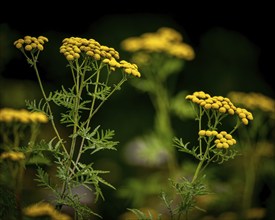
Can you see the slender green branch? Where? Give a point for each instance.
(48, 104)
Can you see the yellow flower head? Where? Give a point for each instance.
(12, 155)
(29, 43)
(221, 104)
(22, 115)
(164, 40)
(254, 101)
(38, 117)
(45, 209)
(74, 48)
(223, 139)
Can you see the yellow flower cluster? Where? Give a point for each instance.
(221, 104)
(45, 209)
(253, 100)
(72, 48)
(31, 43)
(129, 68)
(223, 139)
(12, 155)
(22, 115)
(164, 40)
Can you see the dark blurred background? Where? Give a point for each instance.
(232, 35)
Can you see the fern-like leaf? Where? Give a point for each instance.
(43, 180)
(41, 106)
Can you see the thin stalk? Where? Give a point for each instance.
(88, 121)
(95, 110)
(78, 91)
(250, 178)
(78, 84)
(200, 165)
(200, 119)
(48, 104)
(196, 174)
(16, 136)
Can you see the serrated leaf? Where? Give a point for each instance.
(39, 160)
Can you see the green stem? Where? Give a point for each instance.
(196, 174)
(7, 143)
(78, 84)
(16, 136)
(250, 178)
(95, 110)
(94, 97)
(19, 187)
(88, 120)
(162, 118)
(78, 91)
(200, 165)
(200, 127)
(34, 134)
(48, 105)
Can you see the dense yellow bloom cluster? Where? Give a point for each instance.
(75, 47)
(45, 209)
(253, 100)
(223, 139)
(221, 104)
(12, 155)
(31, 43)
(22, 115)
(164, 40)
